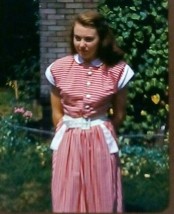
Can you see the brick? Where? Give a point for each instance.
(62, 33)
(70, 16)
(56, 6)
(65, 1)
(48, 33)
(55, 39)
(49, 11)
(56, 16)
(56, 28)
(62, 22)
(62, 44)
(43, 28)
(88, 5)
(62, 39)
(48, 22)
(43, 50)
(43, 39)
(56, 50)
(49, 44)
(51, 55)
(78, 10)
(60, 55)
(48, 1)
(52, 59)
(66, 11)
(73, 5)
(43, 67)
(44, 57)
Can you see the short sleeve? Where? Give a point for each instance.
(127, 74)
(49, 75)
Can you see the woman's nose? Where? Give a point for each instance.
(82, 43)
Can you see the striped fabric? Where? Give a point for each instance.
(85, 176)
(83, 123)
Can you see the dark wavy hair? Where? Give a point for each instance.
(108, 51)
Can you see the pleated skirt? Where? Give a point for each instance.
(85, 176)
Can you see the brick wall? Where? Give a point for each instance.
(55, 20)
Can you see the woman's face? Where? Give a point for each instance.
(86, 41)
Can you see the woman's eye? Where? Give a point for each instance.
(77, 38)
(86, 39)
(89, 39)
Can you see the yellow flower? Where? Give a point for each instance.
(167, 107)
(125, 172)
(143, 113)
(155, 98)
(147, 175)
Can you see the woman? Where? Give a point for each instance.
(85, 169)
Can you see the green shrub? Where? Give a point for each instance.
(141, 30)
(27, 74)
(145, 171)
(146, 194)
(25, 160)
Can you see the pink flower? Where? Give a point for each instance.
(28, 114)
(19, 110)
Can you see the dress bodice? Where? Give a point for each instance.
(86, 90)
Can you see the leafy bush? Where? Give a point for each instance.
(27, 74)
(141, 30)
(146, 194)
(25, 161)
(5, 104)
(145, 172)
(135, 159)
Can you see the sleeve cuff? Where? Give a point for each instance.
(128, 73)
(49, 75)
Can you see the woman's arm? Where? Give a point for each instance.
(56, 106)
(119, 107)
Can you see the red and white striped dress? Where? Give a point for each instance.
(85, 169)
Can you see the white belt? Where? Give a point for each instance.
(83, 123)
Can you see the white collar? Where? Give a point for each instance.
(96, 62)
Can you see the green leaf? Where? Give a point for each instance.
(135, 16)
(152, 38)
(130, 24)
(132, 8)
(165, 4)
(143, 15)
